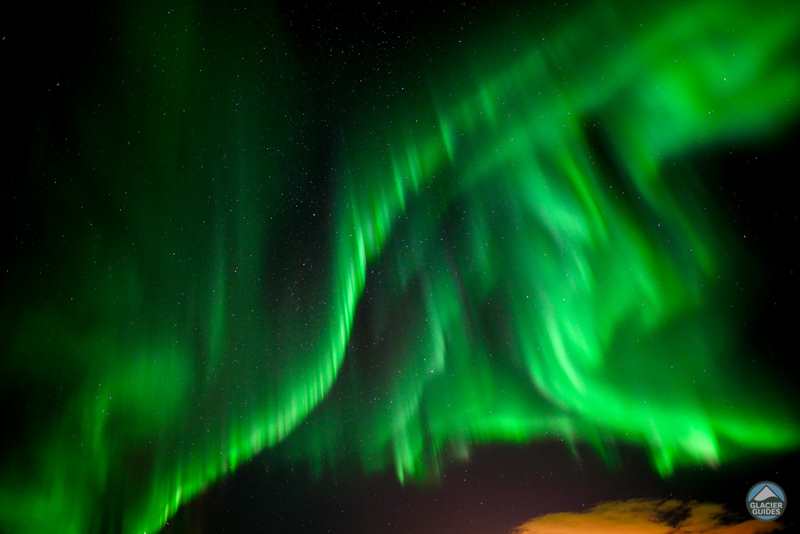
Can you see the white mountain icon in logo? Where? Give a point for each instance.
(765, 494)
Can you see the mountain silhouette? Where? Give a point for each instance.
(765, 494)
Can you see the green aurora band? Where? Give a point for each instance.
(523, 282)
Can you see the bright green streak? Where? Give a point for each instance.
(525, 295)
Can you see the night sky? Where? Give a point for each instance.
(308, 267)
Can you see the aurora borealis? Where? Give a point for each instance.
(512, 245)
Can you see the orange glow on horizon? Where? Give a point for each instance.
(640, 516)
